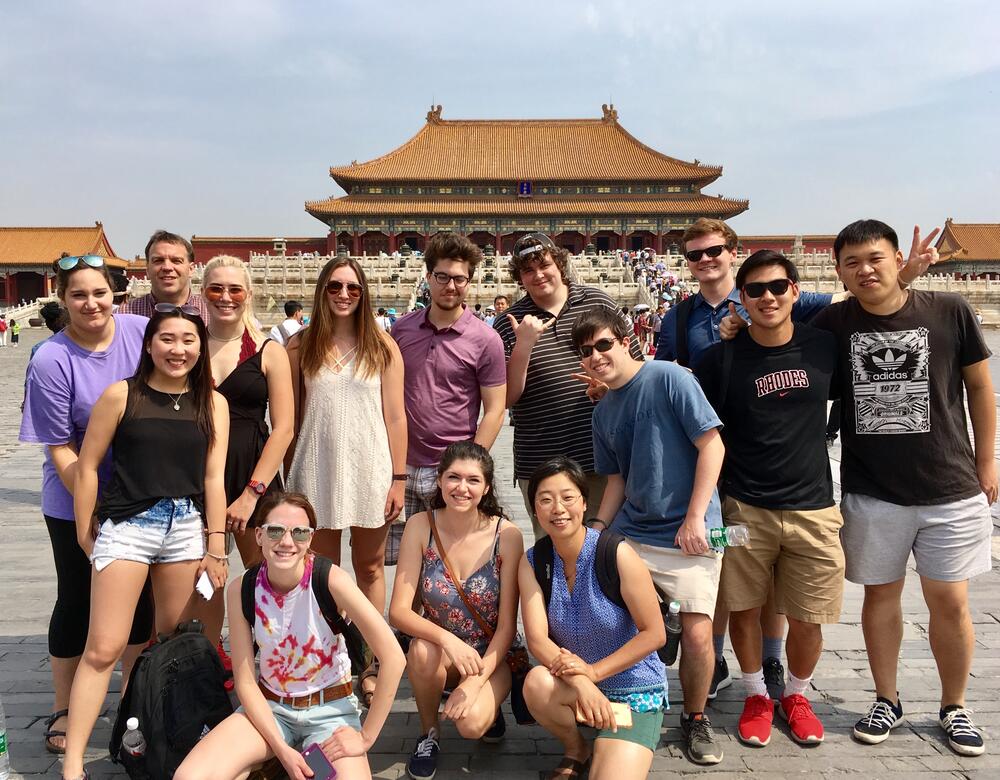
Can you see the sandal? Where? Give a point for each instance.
(370, 672)
(50, 732)
(573, 767)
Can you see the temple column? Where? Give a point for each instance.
(392, 242)
(659, 242)
(355, 244)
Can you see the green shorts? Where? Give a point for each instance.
(645, 730)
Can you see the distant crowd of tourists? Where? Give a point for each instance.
(173, 424)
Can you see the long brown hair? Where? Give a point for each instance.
(373, 351)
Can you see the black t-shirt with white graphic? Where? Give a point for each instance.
(774, 416)
(903, 414)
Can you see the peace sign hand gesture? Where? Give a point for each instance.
(530, 328)
(922, 256)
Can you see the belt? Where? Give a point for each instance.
(305, 701)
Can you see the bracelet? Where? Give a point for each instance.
(399, 477)
(223, 558)
(209, 533)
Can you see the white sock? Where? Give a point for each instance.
(795, 686)
(753, 682)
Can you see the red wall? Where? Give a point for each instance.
(207, 248)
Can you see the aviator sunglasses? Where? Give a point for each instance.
(775, 287)
(170, 308)
(353, 289)
(214, 292)
(69, 263)
(299, 533)
(713, 251)
(601, 345)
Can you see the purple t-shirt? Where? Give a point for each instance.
(444, 370)
(64, 382)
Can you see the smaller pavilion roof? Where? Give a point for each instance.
(969, 241)
(32, 246)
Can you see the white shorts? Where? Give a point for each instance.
(169, 531)
(692, 580)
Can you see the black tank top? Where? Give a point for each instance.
(157, 452)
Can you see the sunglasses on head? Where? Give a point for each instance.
(275, 532)
(69, 263)
(353, 289)
(775, 287)
(214, 292)
(713, 251)
(170, 308)
(601, 345)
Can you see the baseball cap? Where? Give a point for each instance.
(532, 243)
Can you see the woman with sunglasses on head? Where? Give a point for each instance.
(168, 429)
(303, 694)
(251, 371)
(350, 448)
(592, 651)
(460, 560)
(95, 349)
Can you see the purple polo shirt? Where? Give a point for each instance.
(444, 370)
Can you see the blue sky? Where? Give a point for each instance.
(222, 117)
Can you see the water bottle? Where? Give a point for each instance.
(133, 743)
(4, 755)
(672, 623)
(730, 536)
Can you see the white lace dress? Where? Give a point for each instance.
(342, 462)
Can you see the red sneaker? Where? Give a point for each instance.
(755, 722)
(227, 666)
(802, 721)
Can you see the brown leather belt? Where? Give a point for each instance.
(332, 693)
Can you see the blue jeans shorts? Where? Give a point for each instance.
(169, 531)
(301, 728)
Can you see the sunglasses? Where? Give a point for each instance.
(601, 345)
(443, 279)
(214, 292)
(353, 289)
(775, 287)
(695, 254)
(275, 532)
(69, 263)
(170, 308)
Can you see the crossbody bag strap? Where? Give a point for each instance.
(461, 592)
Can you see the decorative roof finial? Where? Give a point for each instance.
(434, 115)
(610, 115)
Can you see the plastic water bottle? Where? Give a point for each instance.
(673, 626)
(730, 536)
(4, 755)
(133, 743)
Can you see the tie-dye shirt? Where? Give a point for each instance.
(299, 653)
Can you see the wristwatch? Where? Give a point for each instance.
(257, 487)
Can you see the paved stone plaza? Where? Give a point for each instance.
(843, 687)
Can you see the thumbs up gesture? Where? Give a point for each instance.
(731, 324)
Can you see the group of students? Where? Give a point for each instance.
(180, 400)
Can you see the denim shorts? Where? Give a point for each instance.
(169, 531)
(301, 728)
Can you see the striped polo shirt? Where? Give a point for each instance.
(553, 415)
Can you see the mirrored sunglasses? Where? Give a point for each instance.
(69, 263)
(276, 532)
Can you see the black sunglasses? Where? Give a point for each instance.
(775, 287)
(601, 345)
(69, 263)
(713, 251)
(170, 308)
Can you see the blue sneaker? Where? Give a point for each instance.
(423, 763)
(963, 736)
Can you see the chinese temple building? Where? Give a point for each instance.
(969, 250)
(581, 181)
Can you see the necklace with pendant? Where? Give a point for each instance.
(339, 364)
(177, 400)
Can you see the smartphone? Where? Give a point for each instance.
(317, 761)
(623, 715)
(205, 587)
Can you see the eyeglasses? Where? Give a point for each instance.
(69, 263)
(170, 308)
(214, 292)
(276, 532)
(443, 279)
(353, 289)
(547, 502)
(713, 251)
(775, 287)
(601, 345)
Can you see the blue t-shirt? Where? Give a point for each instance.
(645, 431)
(704, 319)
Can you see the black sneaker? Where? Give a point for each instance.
(424, 761)
(495, 733)
(702, 746)
(774, 678)
(881, 717)
(963, 736)
(720, 678)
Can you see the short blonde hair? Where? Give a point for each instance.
(705, 226)
(228, 261)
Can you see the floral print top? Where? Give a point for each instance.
(444, 607)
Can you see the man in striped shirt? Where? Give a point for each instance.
(551, 408)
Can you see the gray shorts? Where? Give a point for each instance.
(950, 542)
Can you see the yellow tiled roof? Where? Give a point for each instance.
(456, 151)
(970, 241)
(42, 245)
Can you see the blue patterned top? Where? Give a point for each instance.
(588, 624)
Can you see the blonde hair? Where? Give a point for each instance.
(228, 261)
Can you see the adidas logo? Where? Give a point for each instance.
(204, 730)
(890, 359)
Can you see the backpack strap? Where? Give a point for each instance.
(247, 586)
(542, 564)
(681, 338)
(321, 590)
(606, 563)
(728, 348)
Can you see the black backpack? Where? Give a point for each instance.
(356, 648)
(177, 692)
(605, 563)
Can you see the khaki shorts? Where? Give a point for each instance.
(799, 549)
(692, 580)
